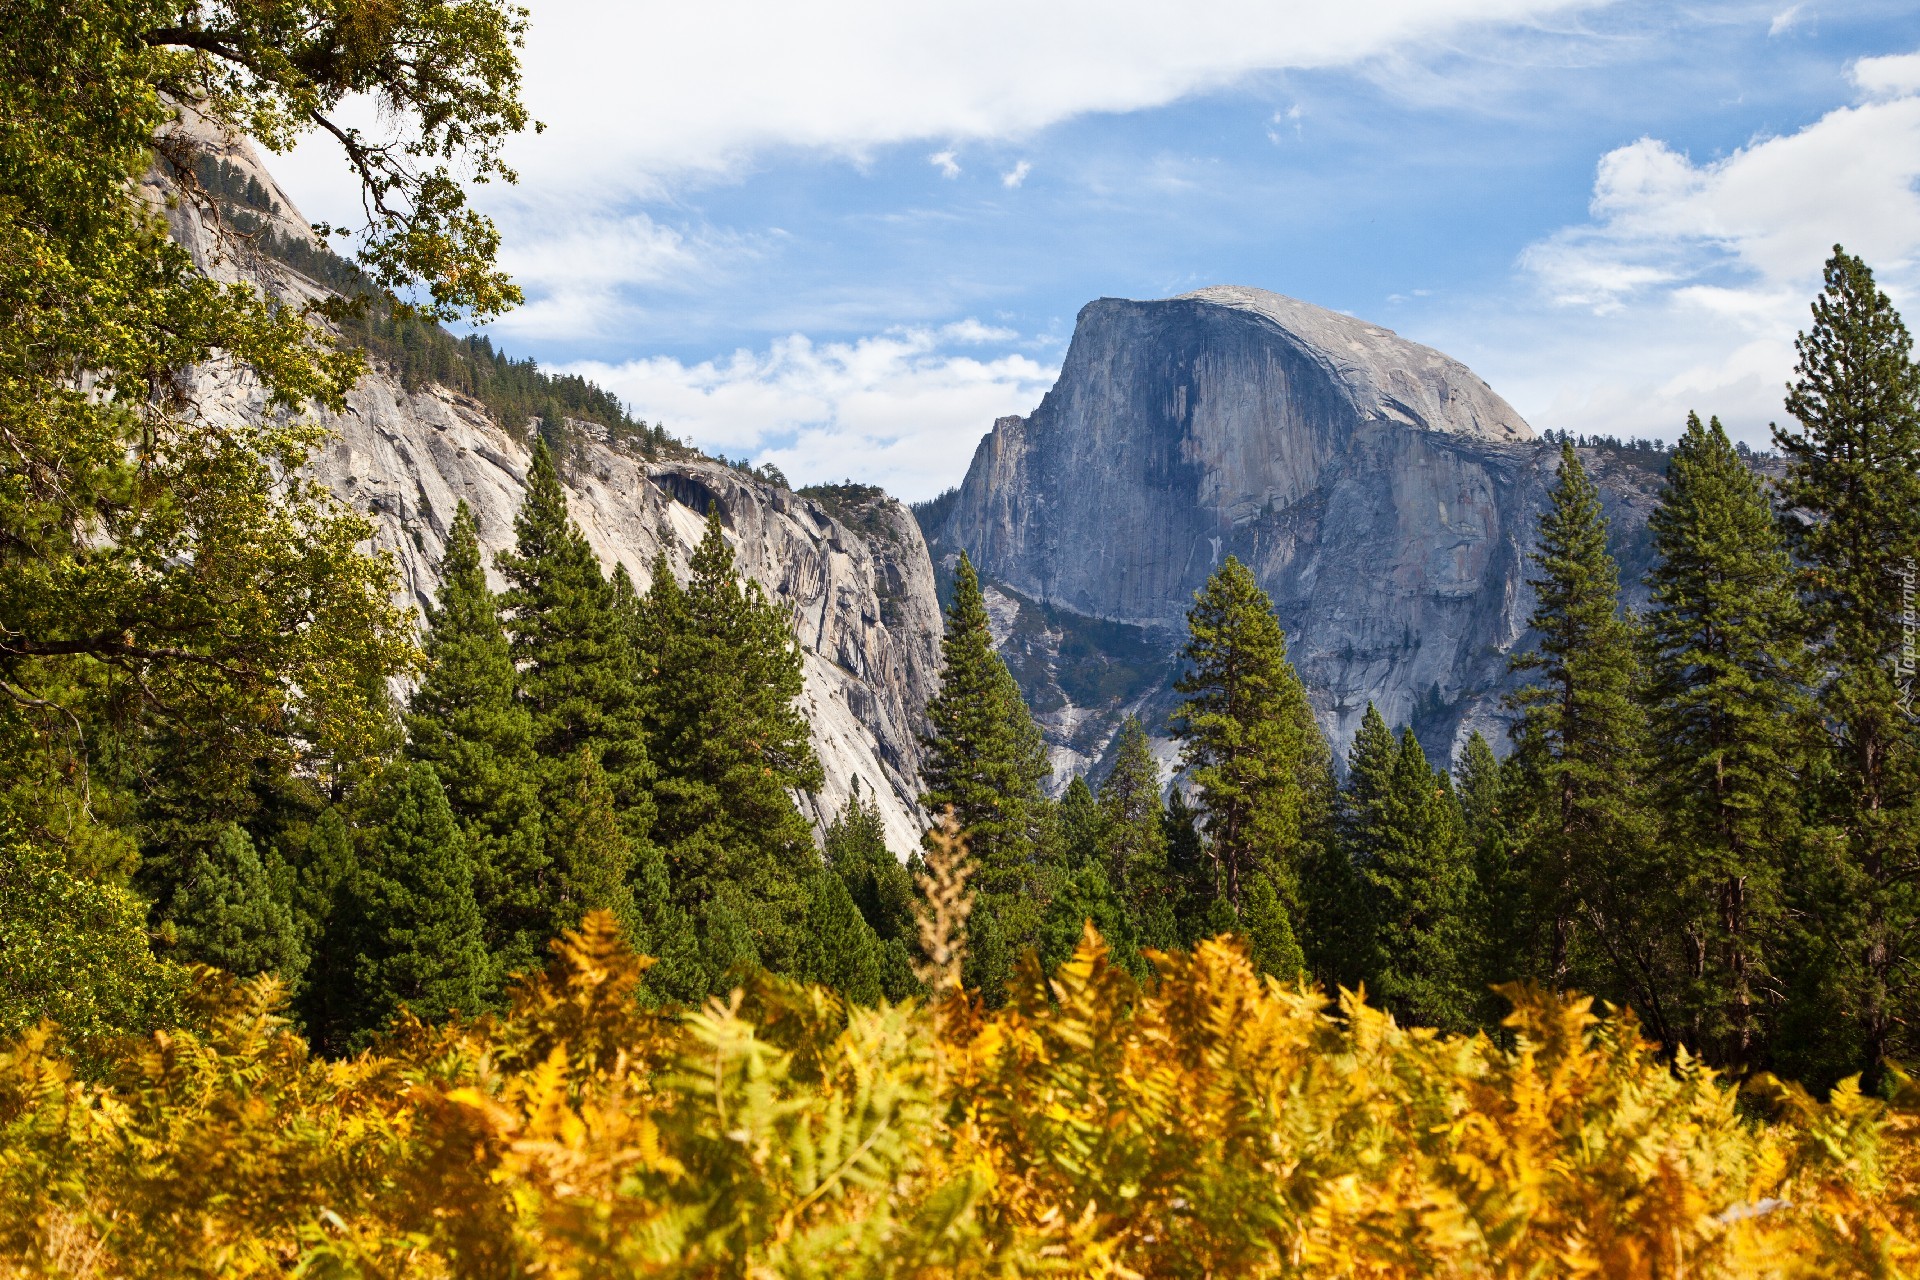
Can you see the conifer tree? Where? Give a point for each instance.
(1086, 895)
(1499, 892)
(837, 947)
(467, 721)
(417, 928)
(1268, 928)
(1249, 740)
(724, 671)
(225, 913)
(1417, 879)
(578, 675)
(1135, 839)
(1081, 825)
(1579, 743)
(1725, 664)
(1192, 889)
(882, 889)
(324, 913)
(593, 857)
(1853, 466)
(986, 761)
(1344, 930)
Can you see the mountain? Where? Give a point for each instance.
(1382, 493)
(848, 562)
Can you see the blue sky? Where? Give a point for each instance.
(845, 237)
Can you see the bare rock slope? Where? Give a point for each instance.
(1384, 496)
(861, 594)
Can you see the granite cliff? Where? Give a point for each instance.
(850, 568)
(1384, 495)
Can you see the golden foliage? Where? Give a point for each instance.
(1213, 1123)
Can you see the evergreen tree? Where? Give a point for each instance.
(594, 859)
(986, 761)
(417, 926)
(1249, 741)
(1081, 825)
(578, 675)
(1268, 928)
(837, 947)
(324, 912)
(882, 889)
(1135, 839)
(724, 671)
(1725, 664)
(225, 913)
(1417, 879)
(1085, 895)
(1345, 933)
(1853, 466)
(1499, 890)
(1578, 747)
(466, 720)
(1192, 889)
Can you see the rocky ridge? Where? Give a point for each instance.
(862, 599)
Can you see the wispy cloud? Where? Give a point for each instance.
(947, 162)
(1016, 175)
(1786, 20)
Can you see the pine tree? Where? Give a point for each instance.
(1085, 895)
(466, 720)
(593, 857)
(1417, 880)
(1495, 912)
(1135, 839)
(1853, 466)
(1268, 928)
(578, 675)
(1579, 743)
(724, 671)
(986, 761)
(837, 947)
(1249, 741)
(985, 758)
(225, 913)
(882, 889)
(417, 927)
(1081, 833)
(1192, 888)
(1725, 664)
(1345, 934)
(324, 913)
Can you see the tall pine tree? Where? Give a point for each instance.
(1496, 912)
(1249, 742)
(467, 721)
(578, 675)
(1725, 664)
(986, 761)
(882, 889)
(1579, 747)
(1135, 839)
(724, 671)
(1853, 466)
(417, 930)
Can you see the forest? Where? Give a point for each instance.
(539, 967)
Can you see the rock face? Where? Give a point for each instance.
(856, 580)
(1384, 496)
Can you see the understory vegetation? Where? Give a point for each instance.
(272, 937)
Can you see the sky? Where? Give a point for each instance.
(844, 237)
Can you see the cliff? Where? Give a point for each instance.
(856, 579)
(1384, 496)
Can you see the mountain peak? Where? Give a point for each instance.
(1387, 376)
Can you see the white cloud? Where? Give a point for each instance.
(1685, 288)
(1890, 77)
(947, 162)
(1016, 175)
(895, 409)
(1786, 20)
